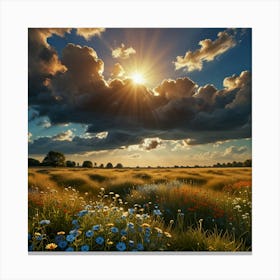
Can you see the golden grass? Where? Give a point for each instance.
(91, 180)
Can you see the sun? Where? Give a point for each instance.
(138, 78)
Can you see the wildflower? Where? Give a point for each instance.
(29, 236)
(130, 225)
(167, 234)
(146, 239)
(123, 232)
(62, 244)
(110, 242)
(39, 237)
(131, 211)
(82, 213)
(30, 247)
(102, 189)
(99, 240)
(131, 243)
(96, 227)
(145, 225)
(58, 238)
(121, 246)
(89, 233)
(51, 246)
(159, 231)
(69, 249)
(140, 247)
(61, 233)
(44, 222)
(111, 193)
(37, 233)
(75, 222)
(110, 225)
(75, 232)
(70, 238)
(157, 212)
(114, 230)
(123, 238)
(84, 248)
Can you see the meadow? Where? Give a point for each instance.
(165, 209)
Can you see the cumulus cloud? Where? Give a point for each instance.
(233, 150)
(44, 123)
(150, 143)
(117, 70)
(64, 136)
(88, 33)
(123, 52)
(208, 51)
(118, 114)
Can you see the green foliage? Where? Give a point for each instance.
(33, 162)
(54, 159)
(87, 164)
(109, 165)
(70, 163)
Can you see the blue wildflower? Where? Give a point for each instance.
(121, 246)
(82, 213)
(157, 212)
(89, 233)
(147, 240)
(70, 238)
(39, 237)
(44, 222)
(130, 225)
(131, 211)
(74, 232)
(69, 249)
(30, 247)
(140, 247)
(99, 240)
(96, 227)
(84, 248)
(29, 236)
(131, 243)
(75, 223)
(58, 238)
(62, 244)
(114, 230)
(123, 232)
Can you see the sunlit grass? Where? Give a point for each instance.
(191, 209)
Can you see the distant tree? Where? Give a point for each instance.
(101, 165)
(119, 165)
(95, 165)
(33, 162)
(109, 165)
(70, 163)
(54, 159)
(247, 163)
(87, 164)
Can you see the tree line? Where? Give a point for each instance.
(57, 159)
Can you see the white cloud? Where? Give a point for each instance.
(64, 136)
(208, 51)
(123, 52)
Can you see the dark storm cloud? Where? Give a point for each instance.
(73, 89)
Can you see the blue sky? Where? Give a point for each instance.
(141, 96)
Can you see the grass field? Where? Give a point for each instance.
(188, 209)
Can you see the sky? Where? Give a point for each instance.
(140, 96)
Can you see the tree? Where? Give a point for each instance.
(70, 163)
(101, 165)
(33, 162)
(87, 164)
(54, 159)
(119, 165)
(247, 163)
(109, 165)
